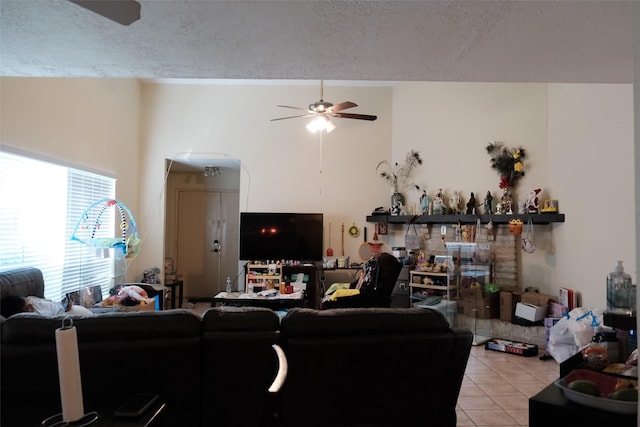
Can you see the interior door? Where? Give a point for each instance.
(206, 240)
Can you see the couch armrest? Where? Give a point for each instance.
(24, 282)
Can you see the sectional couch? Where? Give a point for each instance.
(346, 367)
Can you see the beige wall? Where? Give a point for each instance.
(591, 153)
(90, 124)
(284, 167)
(579, 140)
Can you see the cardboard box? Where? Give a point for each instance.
(556, 309)
(480, 306)
(536, 298)
(508, 301)
(531, 312)
(471, 293)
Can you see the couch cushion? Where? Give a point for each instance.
(22, 282)
(239, 319)
(304, 322)
(27, 328)
(239, 364)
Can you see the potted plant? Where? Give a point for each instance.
(508, 162)
(396, 176)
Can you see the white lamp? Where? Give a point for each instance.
(319, 123)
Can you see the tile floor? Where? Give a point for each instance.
(497, 386)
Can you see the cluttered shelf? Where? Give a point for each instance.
(543, 218)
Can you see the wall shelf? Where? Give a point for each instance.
(543, 218)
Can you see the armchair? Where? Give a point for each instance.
(378, 293)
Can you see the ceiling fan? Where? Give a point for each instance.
(322, 111)
(123, 12)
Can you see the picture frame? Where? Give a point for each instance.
(168, 265)
(383, 228)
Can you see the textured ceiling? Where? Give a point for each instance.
(496, 41)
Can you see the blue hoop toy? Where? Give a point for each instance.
(128, 244)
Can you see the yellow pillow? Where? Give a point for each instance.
(343, 293)
(336, 286)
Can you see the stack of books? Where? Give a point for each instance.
(568, 298)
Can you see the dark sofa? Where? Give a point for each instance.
(372, 367)
(347, 367)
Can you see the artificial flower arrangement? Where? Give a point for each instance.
(508, 162)
(397, 175)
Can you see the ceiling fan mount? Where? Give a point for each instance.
(123, 12)
(326, 110)
(320, 106)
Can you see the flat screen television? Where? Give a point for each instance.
(281, 236)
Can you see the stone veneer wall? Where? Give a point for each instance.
(496, 328)
(504, 249)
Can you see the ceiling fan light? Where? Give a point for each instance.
(320, 123)
(329, 127)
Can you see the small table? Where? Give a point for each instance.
(177, 284)
(279, 301)
(551, 407)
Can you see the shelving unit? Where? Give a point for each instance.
(263, 274)
(543, 218)
(442, 285)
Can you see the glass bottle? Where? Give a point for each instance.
(619, 291)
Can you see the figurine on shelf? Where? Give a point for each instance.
(532, 203)
(424, 203)
(397, 208)
(471, 205)
(488, 203)
(439, 207)
(455, 203)
(506, 202)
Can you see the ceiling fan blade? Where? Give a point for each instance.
(293, 117)
(355, 116)
(295, 108)
(123, 12)
(343, 106)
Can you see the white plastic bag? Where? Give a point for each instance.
(561, 344)
(582, 322)
(571, 333)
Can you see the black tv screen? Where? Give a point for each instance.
(281, 236)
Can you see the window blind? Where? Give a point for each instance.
(40, 206)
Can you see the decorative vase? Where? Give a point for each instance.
(397, 203)
(505, 206)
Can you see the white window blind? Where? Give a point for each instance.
(40, 204)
